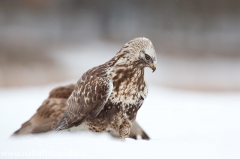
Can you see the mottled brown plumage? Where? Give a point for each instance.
(52, 109)
(107, 97)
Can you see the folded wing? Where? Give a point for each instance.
(87, 100)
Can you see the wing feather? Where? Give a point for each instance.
(87, 100)
(49, 112)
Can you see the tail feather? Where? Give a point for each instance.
(26, 128)
(36, 124)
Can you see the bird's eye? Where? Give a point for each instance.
(147, 57)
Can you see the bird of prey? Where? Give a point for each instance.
(52, 109)
(108, 97)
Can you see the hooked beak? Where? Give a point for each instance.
(153, 67)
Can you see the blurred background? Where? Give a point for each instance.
(48, 41)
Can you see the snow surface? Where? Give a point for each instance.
(181, 125)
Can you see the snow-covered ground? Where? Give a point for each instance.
(181, 125)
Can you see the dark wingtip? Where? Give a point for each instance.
(58, 127)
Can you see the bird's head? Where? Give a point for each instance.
(141, 51)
